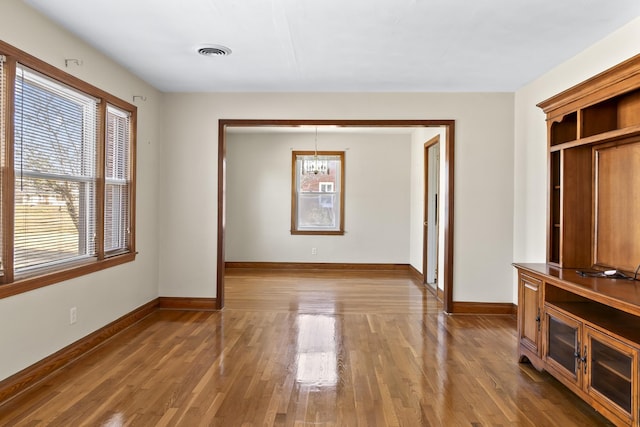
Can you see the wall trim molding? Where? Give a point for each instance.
(503, 308)
(19, 382)
(437, 292)
(431, 287)
(416, 274)
(447, 196)
(184, 303)
(316, 266)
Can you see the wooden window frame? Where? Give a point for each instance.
(9, 284)
(294, 194)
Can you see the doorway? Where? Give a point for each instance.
(431, 230)
(446, 195)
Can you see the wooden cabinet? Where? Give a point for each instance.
(611, 380)
(580, 325)
(530, 320)
(564, 347)
(593, 132)
(593, 363)
(589, 337)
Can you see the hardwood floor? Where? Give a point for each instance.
(306, 349)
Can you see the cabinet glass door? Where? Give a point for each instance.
(612, 370)
(563, 345)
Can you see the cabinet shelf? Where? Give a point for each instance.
(600, 138)
(618, 112)
(611, 369)
(566, 340)
(622, 326)
(564, 130)
(618, 393)
(615, 367)
(553, 254)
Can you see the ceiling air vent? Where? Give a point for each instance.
(214, 50)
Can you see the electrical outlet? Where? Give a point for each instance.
(314, 251)
(73, 315)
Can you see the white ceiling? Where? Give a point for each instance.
(341, 45)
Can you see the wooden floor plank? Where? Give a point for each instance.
(306, 348)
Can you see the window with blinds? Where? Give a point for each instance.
(67, 150)
(116, 203)
(55, 172)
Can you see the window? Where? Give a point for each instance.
(326, 187)
(317, 192)
(55, 172)
(116, 217)
(68, 148)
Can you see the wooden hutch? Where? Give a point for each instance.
(573, 321)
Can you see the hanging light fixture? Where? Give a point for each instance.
(316, 166)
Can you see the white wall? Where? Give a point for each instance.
(36, 324)
(530, 137)
(483, 185)
(258, 197)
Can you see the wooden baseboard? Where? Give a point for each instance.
(415, 274)
(181, 303)
(437, 292)
(15, 384)
(484, 308)
(431, 287)
(315, 266)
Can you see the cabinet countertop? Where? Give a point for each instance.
(619, 293)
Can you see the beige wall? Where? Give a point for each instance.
(483, 186)
(36, 324)
(377, 195)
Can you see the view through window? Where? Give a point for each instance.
(318, 196)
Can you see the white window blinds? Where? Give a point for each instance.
(55, 172)
(68, 151)
(116, 203)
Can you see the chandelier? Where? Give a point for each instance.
(316, 165)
